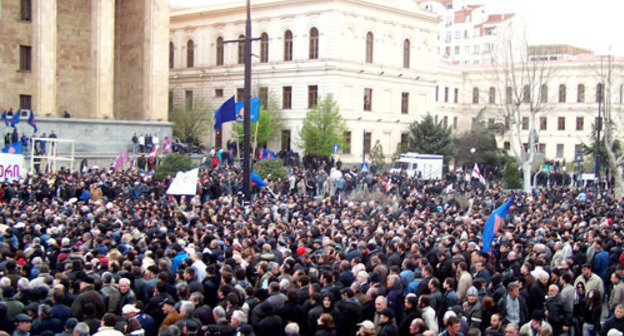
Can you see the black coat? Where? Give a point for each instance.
(537, 295)
(221, 328)
(351, 315)
(524, 309)
(52, 324)
(271, 325)
(388, 329)
(293, 312)
(325, 332)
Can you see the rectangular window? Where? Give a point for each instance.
(525, 123)
(240, 94)
(347, 148)
(454, 123)
(287, 97)
(437, 92)
(578, 150)
(559, 151)
(170, 101)
(264, 96)
(541, 148)
(404, 139)
(368, 99)
(456, 50)
(367, 142)
(476, 49)
(543, 123)
(455, 95)
(561, 124)
(507, 145)
(25, 61)
(188, 99)
(445, 121)
(312, 95)
(25, 102)
(446, 94)
(218, 93)
(467, 49)
(436, 119)
(26, 10)
(404, 102)
(457, 34)
(491, 122)
(580, 123)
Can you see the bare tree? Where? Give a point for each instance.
(522, 87)
(606, 93)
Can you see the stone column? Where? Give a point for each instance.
(156, 60)
(44, 67)
(102, 50)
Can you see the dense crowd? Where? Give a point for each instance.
(328, 253)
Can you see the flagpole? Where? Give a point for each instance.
(247, 111)
(255, 146)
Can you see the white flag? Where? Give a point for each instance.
(477, 174)
(185, 183)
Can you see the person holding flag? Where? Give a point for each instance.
(493, 224)
(477, 174)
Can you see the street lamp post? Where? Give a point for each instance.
(597, 145)
(578, 161)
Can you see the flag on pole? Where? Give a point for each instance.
(15, 119)
(225, 113)
(118, 163)
(124, 156)
(154, 152)
(266, 154)
(496, 219)
(477, 174)
(255, 109)
(32, 122)
(133, 161)
(167, 145)
(255, 178)
(4, 117)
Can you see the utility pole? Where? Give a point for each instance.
(246, 113)
(597, 146)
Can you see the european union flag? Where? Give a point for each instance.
(4, 117)
(14, 148)
(255, 109)
(16, 118)
(226, 112)
(255, 178)
(496, 219)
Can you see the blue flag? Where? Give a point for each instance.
(15, 119)
(255, 109)
(225, 113)
(255, 178)
(14, 148)
(31, 121)
(4, 117)
(496, 219)
(266, 154)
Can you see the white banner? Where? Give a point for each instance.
(185, 183)
(12, 167)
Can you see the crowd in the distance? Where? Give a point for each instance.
(108, 253)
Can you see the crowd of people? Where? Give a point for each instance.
(109, 253)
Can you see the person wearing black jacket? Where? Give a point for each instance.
(292, 311)
(271, 324)
(558, 312)
(351, 312)
(411, 312)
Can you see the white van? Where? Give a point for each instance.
(428, 166)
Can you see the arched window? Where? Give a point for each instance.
(241, 50)
(526, 94)
(314, 43)
(220, 50)
(406, 54)
(190, 54)
(563, 90)
(580, 93)
(599, 93)
(543, 93)
(475, 95)
(369, 47)
(288, 45)
(264, 48)
(492, 95)
(171, 55)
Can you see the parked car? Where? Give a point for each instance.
(179, 146)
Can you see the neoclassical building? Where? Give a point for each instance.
(376, 58)
(96, 59)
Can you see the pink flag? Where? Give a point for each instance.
(133, 162)
(124, 155)
(167, 145)
(118, 163)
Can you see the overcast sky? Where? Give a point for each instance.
(593, 24)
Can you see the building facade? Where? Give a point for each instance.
(376, 59)
(95, 59)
